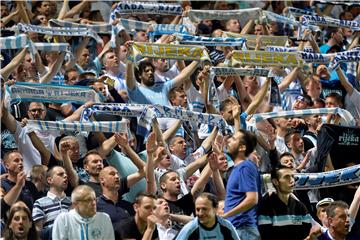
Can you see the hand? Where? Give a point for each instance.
(272, 138)
(88, 104)
(24, 122)
(218, 145)
(3, 176)
(122, 139)
(151, 144)
(213, 161)
(236, 109)
(151, 221)
(128, 46)
(160, 154)
(20, 179)
(65, 147)
(229, 55)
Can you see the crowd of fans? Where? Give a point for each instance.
(183, 180)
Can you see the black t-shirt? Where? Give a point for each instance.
(183, 206)
(128, 230)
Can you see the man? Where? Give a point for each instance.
(207, 225)
(93, 164)
(295, 144)
(243, 188)
(83, 222)
(46, 209)
(163, 216)
(321, 211)
(335, 37)
(142, 226)
(148, 92)
(280, 214)
(338, 221)
(13, 162)
(113, 188)
(233, 25)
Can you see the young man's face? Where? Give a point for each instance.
(172, 183)
(296, 143)
(145, 208)
(180, 99)
(288, 161)
(285, 182)
(36, 111)
(178, 147)
(59, 179)
(331, 102)
(94, 164)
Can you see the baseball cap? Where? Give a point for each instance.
(325, 201)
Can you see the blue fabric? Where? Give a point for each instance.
(243, 178)
(156, 94)
(324, 48)
(248, 233)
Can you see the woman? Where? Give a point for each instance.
(19, 225)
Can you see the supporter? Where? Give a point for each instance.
(242, 195)
(83, 220)
(335, 37)
(93, 164)
(321, 211)
(280, 214)
(163, 219)
(46, 209)
(13, 162)
(143, 224)
(207, 224)
(38, 178)
(19, 224)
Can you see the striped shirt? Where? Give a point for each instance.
(49, 207)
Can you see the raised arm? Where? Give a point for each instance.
(288, 79)
(151, 147)
(12, 196)
(69, 168)
(259, 97)
(195, 165)
(130, 77)
(10, 67)
(354, 207)
(206, 144)
(122, 140)
(76, 9)
(185, 74)
(54, 68)
(45, 154)
(344, 82)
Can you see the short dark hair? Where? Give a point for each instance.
(173, 91)
(249, 140)
(50, 171)
(274, 171)
(289, 134)
(141, 67)
(211, 197)
(336, 96)
(141, 195)
(225, 103)
(164, 177)
(330, 209)
(286, 154)
(91, 152)
(7, 155)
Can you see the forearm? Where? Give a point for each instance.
(134, 158)
(288, 79)
(130, 78)
(54, 68)
(63, 10)
(248, 27)
(107, 146)
(150, 176)
(192, 167)
(8, 69)
(12, 196)
(344, 82)
(23, 13)
(354, 207)
(159, 136)
(206, 144)
(170, 132)
(243, 206)
(148, 233)
(70, 171)
(76, 9)
(39, 145)
(259, 97)
(219, 185)
(245, 99)
(200, 183)
(185, 74)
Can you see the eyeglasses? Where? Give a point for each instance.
(36, 110)
(87, 201)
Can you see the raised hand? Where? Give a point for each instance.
(151, 144)
(122, 139)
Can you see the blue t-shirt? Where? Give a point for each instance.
(243, 178)
(157, 94)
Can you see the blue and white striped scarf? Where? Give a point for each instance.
(198, 15)
(211, 41)
(18, 42)
(160, 29)
(58, 31)
(307, 49)
(231, 71)
(106, 126)
(304, 112)
(36, 92)
(328, 21)
(145, 8)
